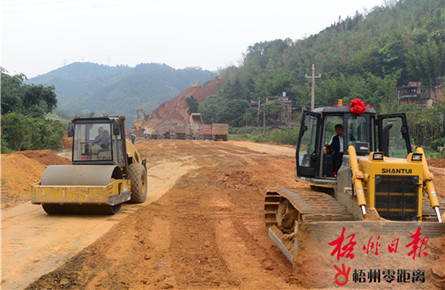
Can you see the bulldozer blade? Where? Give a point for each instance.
(319, 238)
(277, 236)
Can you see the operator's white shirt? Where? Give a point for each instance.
(340, 139)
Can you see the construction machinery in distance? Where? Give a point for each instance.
(141, 115)
(220, 132)
(205, 132)
(106, 171)
(182, 131)
(214, 132)
(381, 186)
(214, 76)
(151, 133)
(197, 84)
(137, 125)
(195, 123)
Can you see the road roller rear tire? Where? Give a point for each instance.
(138, 176)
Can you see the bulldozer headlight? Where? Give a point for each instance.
(416, 157)
(378, 156)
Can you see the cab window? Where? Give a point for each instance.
(357, 130)
(308, 141)
(92, 142)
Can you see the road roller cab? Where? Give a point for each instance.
(106, 171)
(101, 141)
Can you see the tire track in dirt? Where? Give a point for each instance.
(206, 232)
(34, 243)
(186, 238)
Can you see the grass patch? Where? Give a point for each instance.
(283, 136)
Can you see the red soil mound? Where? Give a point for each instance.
(45, 157)
(20, 170)
(175, 110)
(18, 174)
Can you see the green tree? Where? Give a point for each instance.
(38, 95)
(251, 116)
(211, 113)
(47, 134)
(23, 122)
(234, 111)
(233, 90)
(192, 104)
(20, 132)
(11, 92)
(16, 131)
(273, 110)
(36, 112)
(18, 97)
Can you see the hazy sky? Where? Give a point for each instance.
(41, 35)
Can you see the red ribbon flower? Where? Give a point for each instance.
(357, 107)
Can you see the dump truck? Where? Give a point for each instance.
(380, 185)
(106, 171)
(150, 133)
(220, 132)
(182, 131)
(205, 132)
(195, 123)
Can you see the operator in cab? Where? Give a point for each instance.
(102, 139)
(100, 149)
(336, 147)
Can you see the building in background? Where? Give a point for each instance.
(422, 96)
(286, 115)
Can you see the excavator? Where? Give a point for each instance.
(214, 76)
(137, 125)
(197, 84)
(106, 171)
(381, 187)
(141, 115)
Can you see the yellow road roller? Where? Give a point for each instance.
(106, 171)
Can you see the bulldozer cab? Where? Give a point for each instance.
(98, 140)
(318, 158)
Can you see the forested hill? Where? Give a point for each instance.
(88, 87)
(363, 56)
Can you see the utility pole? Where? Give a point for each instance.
(264, 120)
(258, 116)
(313, 77)
(246, 121)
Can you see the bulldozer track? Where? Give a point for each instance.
(312, 206)
(319, 219)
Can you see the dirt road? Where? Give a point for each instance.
(202, 227)
(34, 243)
